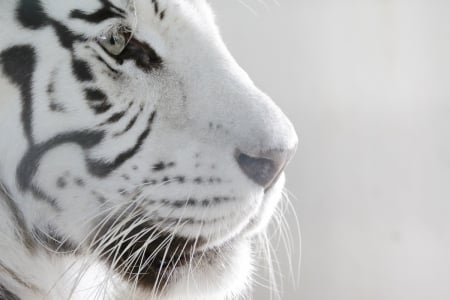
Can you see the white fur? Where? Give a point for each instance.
(207, 107)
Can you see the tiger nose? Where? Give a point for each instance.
(264, 168)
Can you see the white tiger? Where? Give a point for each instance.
(137, 159)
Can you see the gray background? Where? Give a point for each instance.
(367, 85)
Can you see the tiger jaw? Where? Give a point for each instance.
(157, 258)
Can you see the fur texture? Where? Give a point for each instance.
(134, 172)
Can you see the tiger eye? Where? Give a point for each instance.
(113, 42)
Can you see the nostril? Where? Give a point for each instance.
(265, 168)
(260, 170)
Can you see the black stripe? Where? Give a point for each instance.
(98, 100)
(42, 196)
(101, 168)
(6, 294)
(81, 70)
(112, 6)
(31, 15)
(19, 64)
(101, 107)
(104, 13)
(155, 6)
(96, 17)
(54, 105)
(51, 86)
(117, 116)
(95, 95)
(30, 161)
(66, 36)
(107, 65)
(129, 125)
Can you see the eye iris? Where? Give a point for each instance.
(113, 42)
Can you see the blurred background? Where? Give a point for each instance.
(367, 85)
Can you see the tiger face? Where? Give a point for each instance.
(133, 142)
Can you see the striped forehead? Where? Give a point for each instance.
(182, 32)
(183, 11)
(166, 18)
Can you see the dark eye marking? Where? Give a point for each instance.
(144, 56)
(100, 59)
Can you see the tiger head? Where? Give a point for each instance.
(133, 141)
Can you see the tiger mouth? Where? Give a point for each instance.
(161, 268)
(189, 259)
(150, 257)
(142, 253)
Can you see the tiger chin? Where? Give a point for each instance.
(137, 159)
